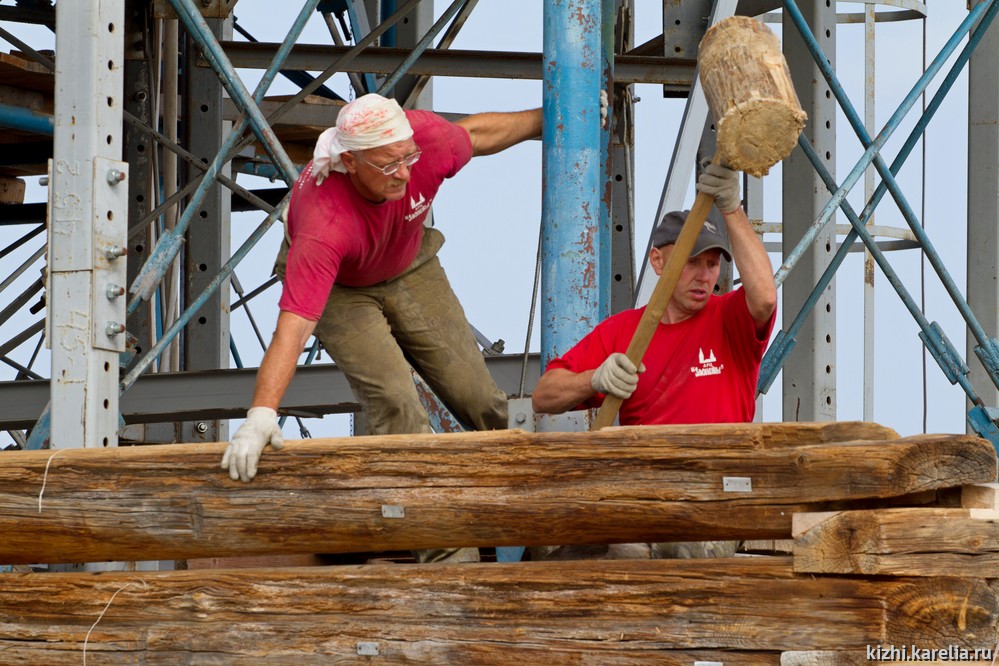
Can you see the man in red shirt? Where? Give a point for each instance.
(704, 359)
(362, 272)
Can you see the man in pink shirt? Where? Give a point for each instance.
(361, 272)
(704, 359)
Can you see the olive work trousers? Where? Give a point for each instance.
(374, 334)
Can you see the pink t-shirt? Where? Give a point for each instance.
(338, 236)
(701, 370)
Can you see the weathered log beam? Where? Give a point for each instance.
(471, 489)
(571, 612)
(900, 542)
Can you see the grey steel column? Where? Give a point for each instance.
(205, 343)
(810, 371)
(983, 199)
(622, 161)
(88, 222)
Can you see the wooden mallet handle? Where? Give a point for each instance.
(660, 298)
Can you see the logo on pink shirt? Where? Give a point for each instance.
(419, 206)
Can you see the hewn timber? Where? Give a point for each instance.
(398, 492)
(553, 612)
(901, 542)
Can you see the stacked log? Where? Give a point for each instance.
(884, 553)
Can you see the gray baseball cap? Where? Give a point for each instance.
(713, 233)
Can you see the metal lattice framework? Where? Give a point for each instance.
(144, 179)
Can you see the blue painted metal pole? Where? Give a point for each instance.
(875, 146)
(388, 7)
(573, 182)
(26, 120)
(169, 244)
(983, 22)
(420, 47)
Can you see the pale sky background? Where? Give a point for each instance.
(491, 211)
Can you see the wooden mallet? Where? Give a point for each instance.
(758, 118)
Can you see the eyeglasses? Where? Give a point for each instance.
(392, 167)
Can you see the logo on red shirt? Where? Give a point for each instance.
(707, 364)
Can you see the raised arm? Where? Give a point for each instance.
(754, 266)
(747, 250)
(492, 132)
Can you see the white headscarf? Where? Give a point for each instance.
(369, 121)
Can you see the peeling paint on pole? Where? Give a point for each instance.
(574, 181)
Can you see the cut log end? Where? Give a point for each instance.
(756, 134)
(749, 91)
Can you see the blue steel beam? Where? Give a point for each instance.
(196, 305)
(786, 340)
(169, 244)
(980, 18)
(573, 178)
(26, 120)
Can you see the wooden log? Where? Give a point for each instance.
(589, 612)
(11, 190)
(748, 88)
(899, 542)
(498, 488)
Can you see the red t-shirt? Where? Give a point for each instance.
(338, 236)
(701, 370)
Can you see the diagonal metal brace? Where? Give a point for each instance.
(944, 353)
(773, 361)
(156, 265)
(983, 420)
(989, 356)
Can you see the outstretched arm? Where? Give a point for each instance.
(261, 426)
(281, 359)
(492, 132)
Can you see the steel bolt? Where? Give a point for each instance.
(201, 427)
(114, 291)
(113, 252)
(521, 417)
(114, 328)
(115, 176)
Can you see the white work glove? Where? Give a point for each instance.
(723, 184)
(604, 103)
(616, 376)
(260, 429)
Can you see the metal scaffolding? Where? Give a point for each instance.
(150, 126)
